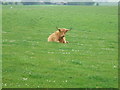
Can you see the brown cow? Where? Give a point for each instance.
(58, 36)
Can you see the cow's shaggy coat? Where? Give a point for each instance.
(58, 36)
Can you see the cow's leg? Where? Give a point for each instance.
(64, 40)
(56, 40)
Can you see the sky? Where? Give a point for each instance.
(107, 0)
(66, 0)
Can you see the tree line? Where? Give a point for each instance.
(48, 3)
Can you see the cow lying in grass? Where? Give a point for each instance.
(58, 36)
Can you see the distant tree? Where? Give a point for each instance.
(97, 4)
(73, 3)
(7, 3)
(3, 3)
(80, 3)
(19, 3)
(27, 3)
(48, 3)
(10, 3)
(32, 3)
(16, 3)
(90, 3)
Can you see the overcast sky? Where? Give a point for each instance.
(107, 0)
(65, 0)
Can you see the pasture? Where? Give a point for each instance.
(90, 60)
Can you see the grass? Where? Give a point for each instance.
(0, 46)
(88, 61)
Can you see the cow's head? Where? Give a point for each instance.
(63, 31)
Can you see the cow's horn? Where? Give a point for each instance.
(57, 27)
(70, 29)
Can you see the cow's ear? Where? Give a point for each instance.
(67, 29)
(59, 30)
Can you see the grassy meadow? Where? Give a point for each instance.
(90, 60)
(0, 46)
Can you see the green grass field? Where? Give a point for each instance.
(90, 60)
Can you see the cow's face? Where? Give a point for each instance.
(62, 31)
